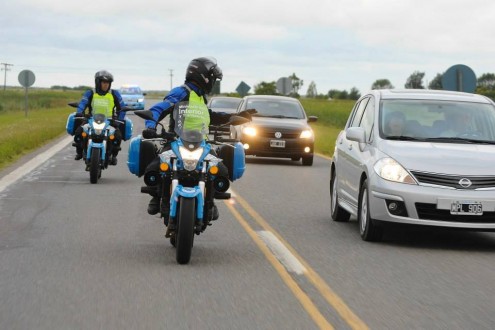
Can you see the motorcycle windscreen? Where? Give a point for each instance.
(191, 121)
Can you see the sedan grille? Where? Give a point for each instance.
(286, 134)
(430, 212)
(455, 181)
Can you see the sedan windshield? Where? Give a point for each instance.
(131, 90)
(276, 109)
(439, 121)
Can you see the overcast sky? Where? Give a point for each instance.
(338, 44)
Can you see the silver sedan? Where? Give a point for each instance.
(420, 157)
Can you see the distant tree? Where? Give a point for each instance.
(354, 94)
(382, 84)
(415, 80)
(487, 81)
(296, 84)
(333, 93)
(486, 85)
(266, 88)
(436, 83)
(312, 93)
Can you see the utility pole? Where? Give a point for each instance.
(5, 75)
(171, 75)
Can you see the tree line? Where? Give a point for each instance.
(485, 86)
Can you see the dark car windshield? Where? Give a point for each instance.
(224, 103)
(437, 120)
(276, 108)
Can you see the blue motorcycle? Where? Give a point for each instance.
(191, 170)
(99, 132)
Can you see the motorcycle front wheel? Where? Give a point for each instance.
(94, 165)
(185, 229)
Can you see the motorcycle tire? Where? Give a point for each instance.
(94, 166)
(185, 229)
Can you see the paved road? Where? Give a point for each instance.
(75, 255)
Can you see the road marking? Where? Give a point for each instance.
(330, 296)
(303, 298)
(32, 164)
(281, 252)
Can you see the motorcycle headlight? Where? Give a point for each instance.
(98, 127)
(389, 169)
(190, 158)
(306, 134)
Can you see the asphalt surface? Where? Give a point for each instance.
(76, 255)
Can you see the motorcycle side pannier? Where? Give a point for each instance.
(127, 129)
(234, 159)
(73, 123)
(141, 153)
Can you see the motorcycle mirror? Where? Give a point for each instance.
(238, 120)
(145, 114)
(73, 104)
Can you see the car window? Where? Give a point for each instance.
(368, 118)
(130, 90)
(276, 108)
(358, 112)
(224, 103)
(425, 119)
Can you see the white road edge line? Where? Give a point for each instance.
(281, 252)
(32, 164)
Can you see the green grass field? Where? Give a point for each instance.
(48, 110)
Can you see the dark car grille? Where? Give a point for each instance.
(430, 212)
(286, 134)
(454, 180)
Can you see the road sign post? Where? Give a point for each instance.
(459, 78)
(26, 79)
(284, 86)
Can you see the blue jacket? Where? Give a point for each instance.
(88, 96)
(176, 95)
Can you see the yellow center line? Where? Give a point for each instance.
(305, 301)
(330, 296)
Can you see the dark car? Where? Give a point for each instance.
(226, 104)
(279, 128)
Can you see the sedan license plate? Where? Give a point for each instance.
(466, 208)
(277, 143)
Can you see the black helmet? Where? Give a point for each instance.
(204, 71)
(100, 76)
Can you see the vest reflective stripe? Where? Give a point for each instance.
(197, 117)
(103, 104)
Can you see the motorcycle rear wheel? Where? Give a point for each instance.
(94, 166)
(185, 229)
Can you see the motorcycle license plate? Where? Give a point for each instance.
(277, 143)
(466, 208)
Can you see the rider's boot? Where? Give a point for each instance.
(154, 206)
(113, 160)
(214, 211)
(79, 153)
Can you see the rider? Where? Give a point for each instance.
(102, 100)
(201, 75)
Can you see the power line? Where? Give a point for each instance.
(5, 75)
(171, 75)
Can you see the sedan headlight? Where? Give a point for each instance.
(190, 158)
(250, 131)
(140, 100)
(390, 170)
(306, 134)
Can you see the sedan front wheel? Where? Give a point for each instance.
(368, 228)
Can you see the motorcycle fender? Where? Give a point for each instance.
(187, 192)
(92, 145)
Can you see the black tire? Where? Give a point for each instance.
(368, 228)
(336, 212)
(307, 160)
(185, 229)
(94, 165)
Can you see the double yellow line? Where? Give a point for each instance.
(327, 293)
